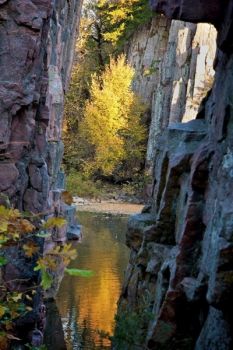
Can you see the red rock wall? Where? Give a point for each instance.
(37, 39)
(36, 44)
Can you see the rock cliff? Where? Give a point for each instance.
(181, 265)
(37, 41)
(173, 61)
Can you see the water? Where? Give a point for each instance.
(87, 305)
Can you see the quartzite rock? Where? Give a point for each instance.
(189, 284)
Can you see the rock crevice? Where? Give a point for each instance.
(182, 259)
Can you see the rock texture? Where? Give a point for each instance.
(145, 52)
(37, 41)
(181, 265)
(207, 11)
(173, 61)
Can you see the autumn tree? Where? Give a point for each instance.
(112, 121)
(121, 18)
(106, 26)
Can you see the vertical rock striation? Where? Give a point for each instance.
(173, 61)
(181, 264)
(37, 39)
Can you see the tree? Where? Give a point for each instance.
(121, 18)
(105, 26)
(112, 121)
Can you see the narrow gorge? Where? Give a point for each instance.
(178, 285)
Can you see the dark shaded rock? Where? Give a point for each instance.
(54, 334)
(216, 333)
(74, 233)
(136, 226)
(183, 262)
(8, 176)
(189, 11)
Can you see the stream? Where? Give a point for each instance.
(87, 306)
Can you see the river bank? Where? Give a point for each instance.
(113, 207)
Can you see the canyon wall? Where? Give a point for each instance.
(181, 265)
(173, 62)
(37, 39)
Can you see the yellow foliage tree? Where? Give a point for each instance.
(112, 119)
(122, 17)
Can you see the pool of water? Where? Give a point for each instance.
(87, 305)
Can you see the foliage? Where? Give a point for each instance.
(130, 328)
(12, 225)
(19, 229)
(122, 17)
(105, 26)
(30, 347)
(82, 186)
(112, 120)
(13, 229)
(49, 263)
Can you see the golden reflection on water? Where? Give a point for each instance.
(88, 305)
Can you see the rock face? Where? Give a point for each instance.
(145, 52)
(208, 11)
(173, 61)
(37, 41)
(181, 265)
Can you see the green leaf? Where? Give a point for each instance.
(3, 261)
(79, 273)
(43, 235)
(46, 280)
(57, 222)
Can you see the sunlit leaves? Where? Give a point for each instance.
(13, 225)
(30, 249)
(26, 226)
(49, 263)
(122, 17)
(112, 119)
(67, 197)
(54, 222)
(16, 230)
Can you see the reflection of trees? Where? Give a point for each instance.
(92, 302)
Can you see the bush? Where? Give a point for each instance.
(131, 328)
(82, 186)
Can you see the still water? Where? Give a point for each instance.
(87, 305)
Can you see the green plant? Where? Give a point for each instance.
(23, 230)
(131, 326)
(83, 186)
(30, 347)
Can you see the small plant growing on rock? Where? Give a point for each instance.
(25, 233)
(130, 328)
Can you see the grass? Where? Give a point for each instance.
(81, 185)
